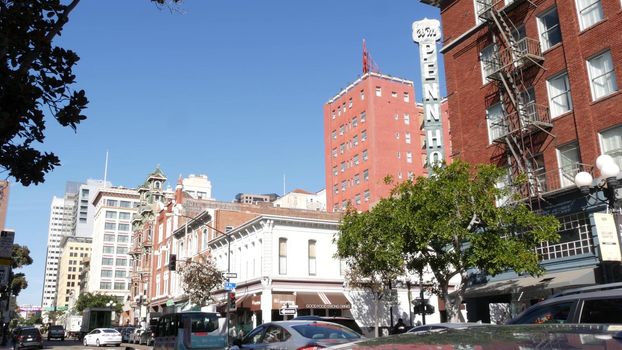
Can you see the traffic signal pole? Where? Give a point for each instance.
(227, 278)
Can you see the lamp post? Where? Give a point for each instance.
(608, 185)
(112, 305)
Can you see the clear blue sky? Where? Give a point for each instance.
(231, 89)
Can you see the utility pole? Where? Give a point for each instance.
(227, 278)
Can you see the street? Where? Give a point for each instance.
(76, 344)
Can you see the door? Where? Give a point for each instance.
(254, 339)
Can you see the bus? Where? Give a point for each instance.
(190, 330)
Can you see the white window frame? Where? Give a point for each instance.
(609, 76)
(542, 30)
(567, 172)
(589, 7)
(616, 153)
(493, 134)
(488, 50)
(568, 93)
(476, 9)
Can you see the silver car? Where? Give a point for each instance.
(296, 335)
(102, 337)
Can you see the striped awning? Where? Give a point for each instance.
(322, 300)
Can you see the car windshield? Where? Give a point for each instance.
(204, 323)
(110, 331)
(30, 332)
(318, 330)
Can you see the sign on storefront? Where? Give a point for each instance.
(608, 239)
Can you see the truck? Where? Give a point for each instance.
(95, 317)
(72, 326)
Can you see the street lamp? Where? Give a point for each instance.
(112, 305)
(608, 183)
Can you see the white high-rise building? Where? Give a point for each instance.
(71, 215)
(112, 230)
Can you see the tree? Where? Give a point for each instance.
(451, 223)
(372, 251)
(199, 277)
(88, 300)
(36, 76)
(17, 281)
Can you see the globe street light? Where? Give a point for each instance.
(608, 182)
(112, 305)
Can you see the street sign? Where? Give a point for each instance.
(230, 274)
(283, 312)
(6, 243)
(229, 285)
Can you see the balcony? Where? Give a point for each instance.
(484, 7)
(525, 53)
(532, 119)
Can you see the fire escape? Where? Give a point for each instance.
(522, 124)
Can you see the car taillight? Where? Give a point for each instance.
(21, 337)
(310, 347)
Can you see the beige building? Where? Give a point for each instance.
(74, 252)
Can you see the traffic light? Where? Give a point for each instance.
(231, 301)
(172, 262)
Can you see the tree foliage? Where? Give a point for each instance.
(20, 258)
(372, 252)
(87, 300)
(451, 224)
(199, 277)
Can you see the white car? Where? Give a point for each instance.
(103, 337)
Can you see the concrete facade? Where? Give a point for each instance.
(74, 251)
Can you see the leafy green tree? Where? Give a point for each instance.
(36, 76)
(88, 300)
(198, 278)
(372, 251)
(451, 223)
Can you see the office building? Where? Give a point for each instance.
(74, 252)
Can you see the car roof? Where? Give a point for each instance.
(592, 288)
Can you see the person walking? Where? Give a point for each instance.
(399, 327)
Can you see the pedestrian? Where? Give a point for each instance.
(399, 327)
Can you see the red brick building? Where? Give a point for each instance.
(533, 86)
(372, 129)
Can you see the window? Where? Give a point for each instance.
(119, 285)
(120, 273)
(548, 28)
(556, 313)
(105, 285)
(108, 249)
(378, 91)
(111, 226)
(366, 175)
(393, 94)
(355, 140)
(343, 185)
(122, 250)
(111, 214)
(406, 97)
(611, 144)
(607, 311)
(111, 202)
(357, 179)
(357, 198)
(590, 12)
(568, 159)
(343, 166)
(342, 129)
(355, 122)
(487, 59)
(124, 227)
(334, 134)
(407, 137)
(106, 261)
(106, 273)
(334, 152)
(366, 195)
(406, 119)
(312, 257)
(363, 135)
(409, 157)
(397, 135)
(282, 256)
(342, 148)
(124, 216)
(335, 171)
(126, 204)
(355, 159)
(108, 238)
(496, 122)
(364, 155)
(350, 103)
(123, 238)
(121, 262)
(363, 117)
(362, 95)
(560, 100)
(602, 75)
(336, 189)
(398, 155)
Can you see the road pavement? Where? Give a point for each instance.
(77, 345)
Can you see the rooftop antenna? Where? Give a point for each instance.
(106, 168)
(368, 62)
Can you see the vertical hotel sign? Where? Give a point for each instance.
(426, 33)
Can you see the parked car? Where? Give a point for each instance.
(27, 337)
(134, 336)
(146, 337)
(507, 337)
(296, 334)
(102, 337)
(125, 334)
(56, 332)
(344, 321)
(437, 327)
(600, 304)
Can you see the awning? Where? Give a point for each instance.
(240, 300)
(553, 280)
(321, 300)
(279, 300)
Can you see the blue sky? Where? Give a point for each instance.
(231, 89)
